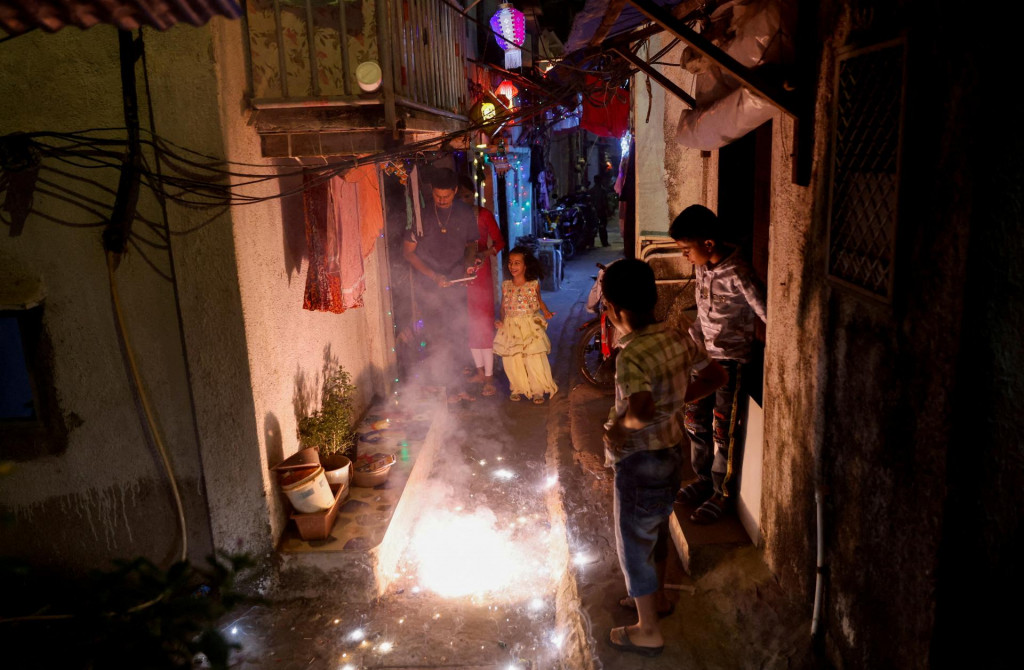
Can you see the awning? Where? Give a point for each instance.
(731, 95)
(19, 16)
(618, 16)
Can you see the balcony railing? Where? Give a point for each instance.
(420, 46)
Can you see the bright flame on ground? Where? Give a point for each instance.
(504, 474)
(466, 554)
(356, 635)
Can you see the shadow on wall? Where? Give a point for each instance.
(272, 438)
(293, 225)
(306, 397)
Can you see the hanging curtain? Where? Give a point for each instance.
(343, 220)
(605, 109)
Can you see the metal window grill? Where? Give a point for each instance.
(865, 168)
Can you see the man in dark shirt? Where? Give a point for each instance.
(444, 251)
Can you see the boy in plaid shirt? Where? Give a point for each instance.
(643, 438)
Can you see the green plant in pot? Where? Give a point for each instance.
(331, 429)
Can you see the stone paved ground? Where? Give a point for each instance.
(556, 613)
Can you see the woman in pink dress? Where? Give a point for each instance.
(480, 294)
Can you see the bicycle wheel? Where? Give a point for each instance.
(589, 358)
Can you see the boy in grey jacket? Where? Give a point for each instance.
(730, 304)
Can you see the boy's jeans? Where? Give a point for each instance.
(710, 424)
(645, 488)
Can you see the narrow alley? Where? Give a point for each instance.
(239, 420)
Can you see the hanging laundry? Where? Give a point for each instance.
(343, 219)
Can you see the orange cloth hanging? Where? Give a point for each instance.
(343, 219)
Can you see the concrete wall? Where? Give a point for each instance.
(288, 347)
(106, 495)
(669, 177)
(243, 352)
(870, 399)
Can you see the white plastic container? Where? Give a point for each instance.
(310, 493)
(369, 74)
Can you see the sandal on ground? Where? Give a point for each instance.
(488, 390)
(538, 400)
(461, 396)
(695, 492)
(516, 397)
(710, 512)
(628, 603)
(626, 645)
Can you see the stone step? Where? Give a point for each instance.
(702, 547)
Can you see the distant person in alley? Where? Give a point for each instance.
(730, 309)
(441, 255)
(642, 439)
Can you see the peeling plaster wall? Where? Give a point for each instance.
(793, 374)
(106, 495)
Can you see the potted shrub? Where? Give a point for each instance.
(331, 429)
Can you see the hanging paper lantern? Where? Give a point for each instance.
(507, 89)
(509, 26)
(484, 111)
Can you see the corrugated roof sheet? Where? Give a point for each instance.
(19, 16)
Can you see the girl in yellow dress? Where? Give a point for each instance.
(522, 340)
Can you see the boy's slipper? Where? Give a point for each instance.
(489, 390)
(710, 512)
(628, 603)
(538, 400)
(626, 645)
(695, 492)
(515, 397)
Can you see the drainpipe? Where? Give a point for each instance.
(819, 581)
(119, 228)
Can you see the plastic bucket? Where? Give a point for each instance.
(337, 468)
(307, 490)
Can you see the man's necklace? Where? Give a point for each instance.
(444, 225)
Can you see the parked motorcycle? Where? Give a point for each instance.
(574, 221)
